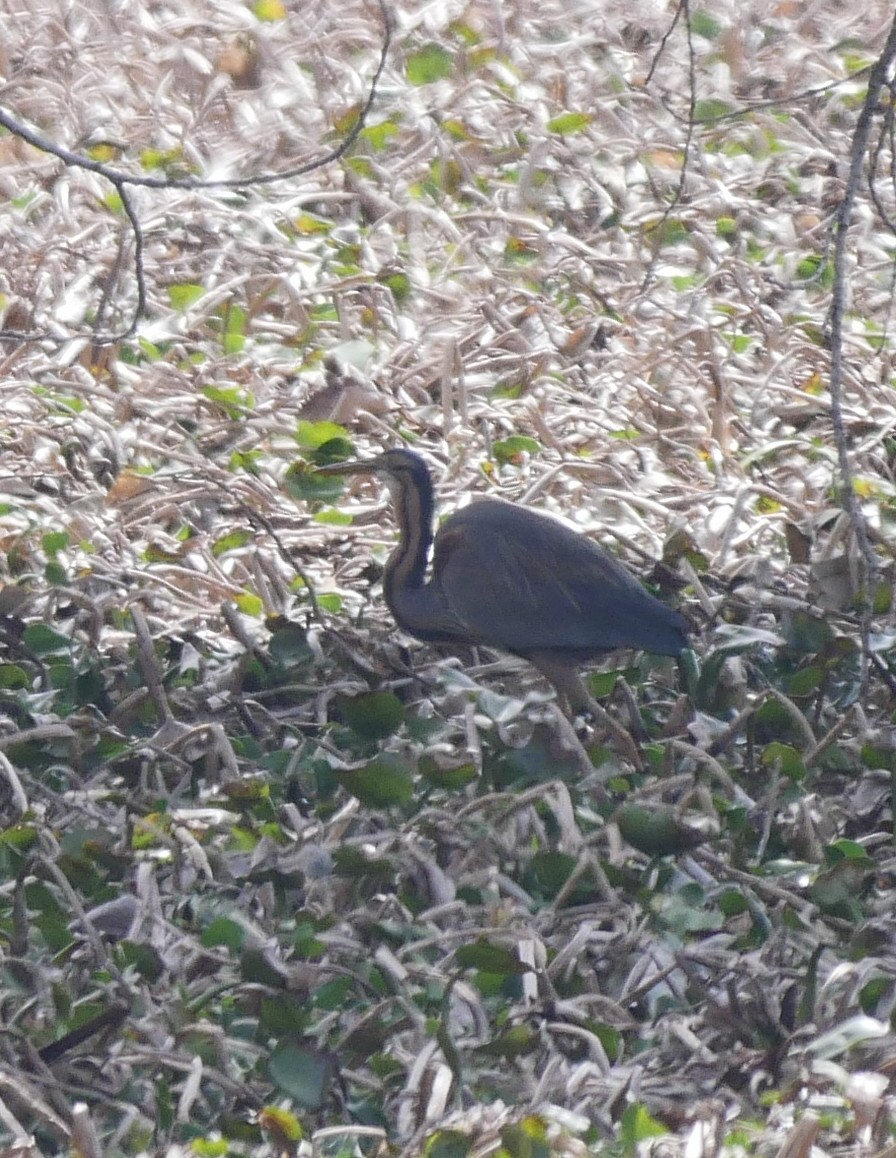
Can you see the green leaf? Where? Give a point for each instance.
(230, 542)
(451, 779)
(231, 932)
(208, 1147)
(12, 677)
(816, 267)
(549, 871)
(378, 136)
(511, 450)
(314, 435)
(185, 295)
(269, 11)
(53, 542)
(514, 1042)
(702, 24)
(303, 1073)
(55, 574)
(236, 401)
(43, 640)
(374, 715)
(447, 1144)
(430, 63)
(333, 518)
(568, 123)
(711, 109)
(289, 645)
(785, 757)
(234, 329)
(488, 958)
(656, 831)
(399, 283)
(304, 483)
(638, 1126)
(381, 783)
(847, 850)
(249, 603)
(330, 602)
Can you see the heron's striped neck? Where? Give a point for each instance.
(413, 503)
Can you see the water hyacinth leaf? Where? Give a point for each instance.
(302, 482)
(303, 1073)
(374, 715)
(232, 541)
(428, 64)
(637, 1126)
(568, 123)
(380, 783)
(514, 1042)
(269, 11)
(289, 645)
(452, 778)
(43, 640)
(511, 450)
(249, 603)
(785, 758)
(488, 958)
(314, 435)
(656, 831)
(711, 109)
(236, 401)
(185, 295)
(448, 1144)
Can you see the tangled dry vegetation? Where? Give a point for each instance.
(342, 889)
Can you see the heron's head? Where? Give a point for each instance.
(402, 470)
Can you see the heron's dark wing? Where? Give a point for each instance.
(523, 582)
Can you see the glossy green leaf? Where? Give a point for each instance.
(711, 109)
(54, 541)
(381, 783)
(184, 295)
(448, 1144)
(452, 778)
(232, 541)
(568, 123)
(314, 435)
(249, 603)
(656, 831)
(13, 677)
(373, 715)
(786, 758)
(705, 25)
(304, 483)
(235, 400)
(637, 1126)
(43, 640)
(511, 450)
(333, 518)
(304, 1074)
(488, 958)
(289, 645)
(514, 1042)
(428, 64)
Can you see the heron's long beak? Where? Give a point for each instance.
(371, 466)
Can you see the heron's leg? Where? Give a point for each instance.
(575, 695)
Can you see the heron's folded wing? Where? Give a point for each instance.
(522, 582)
